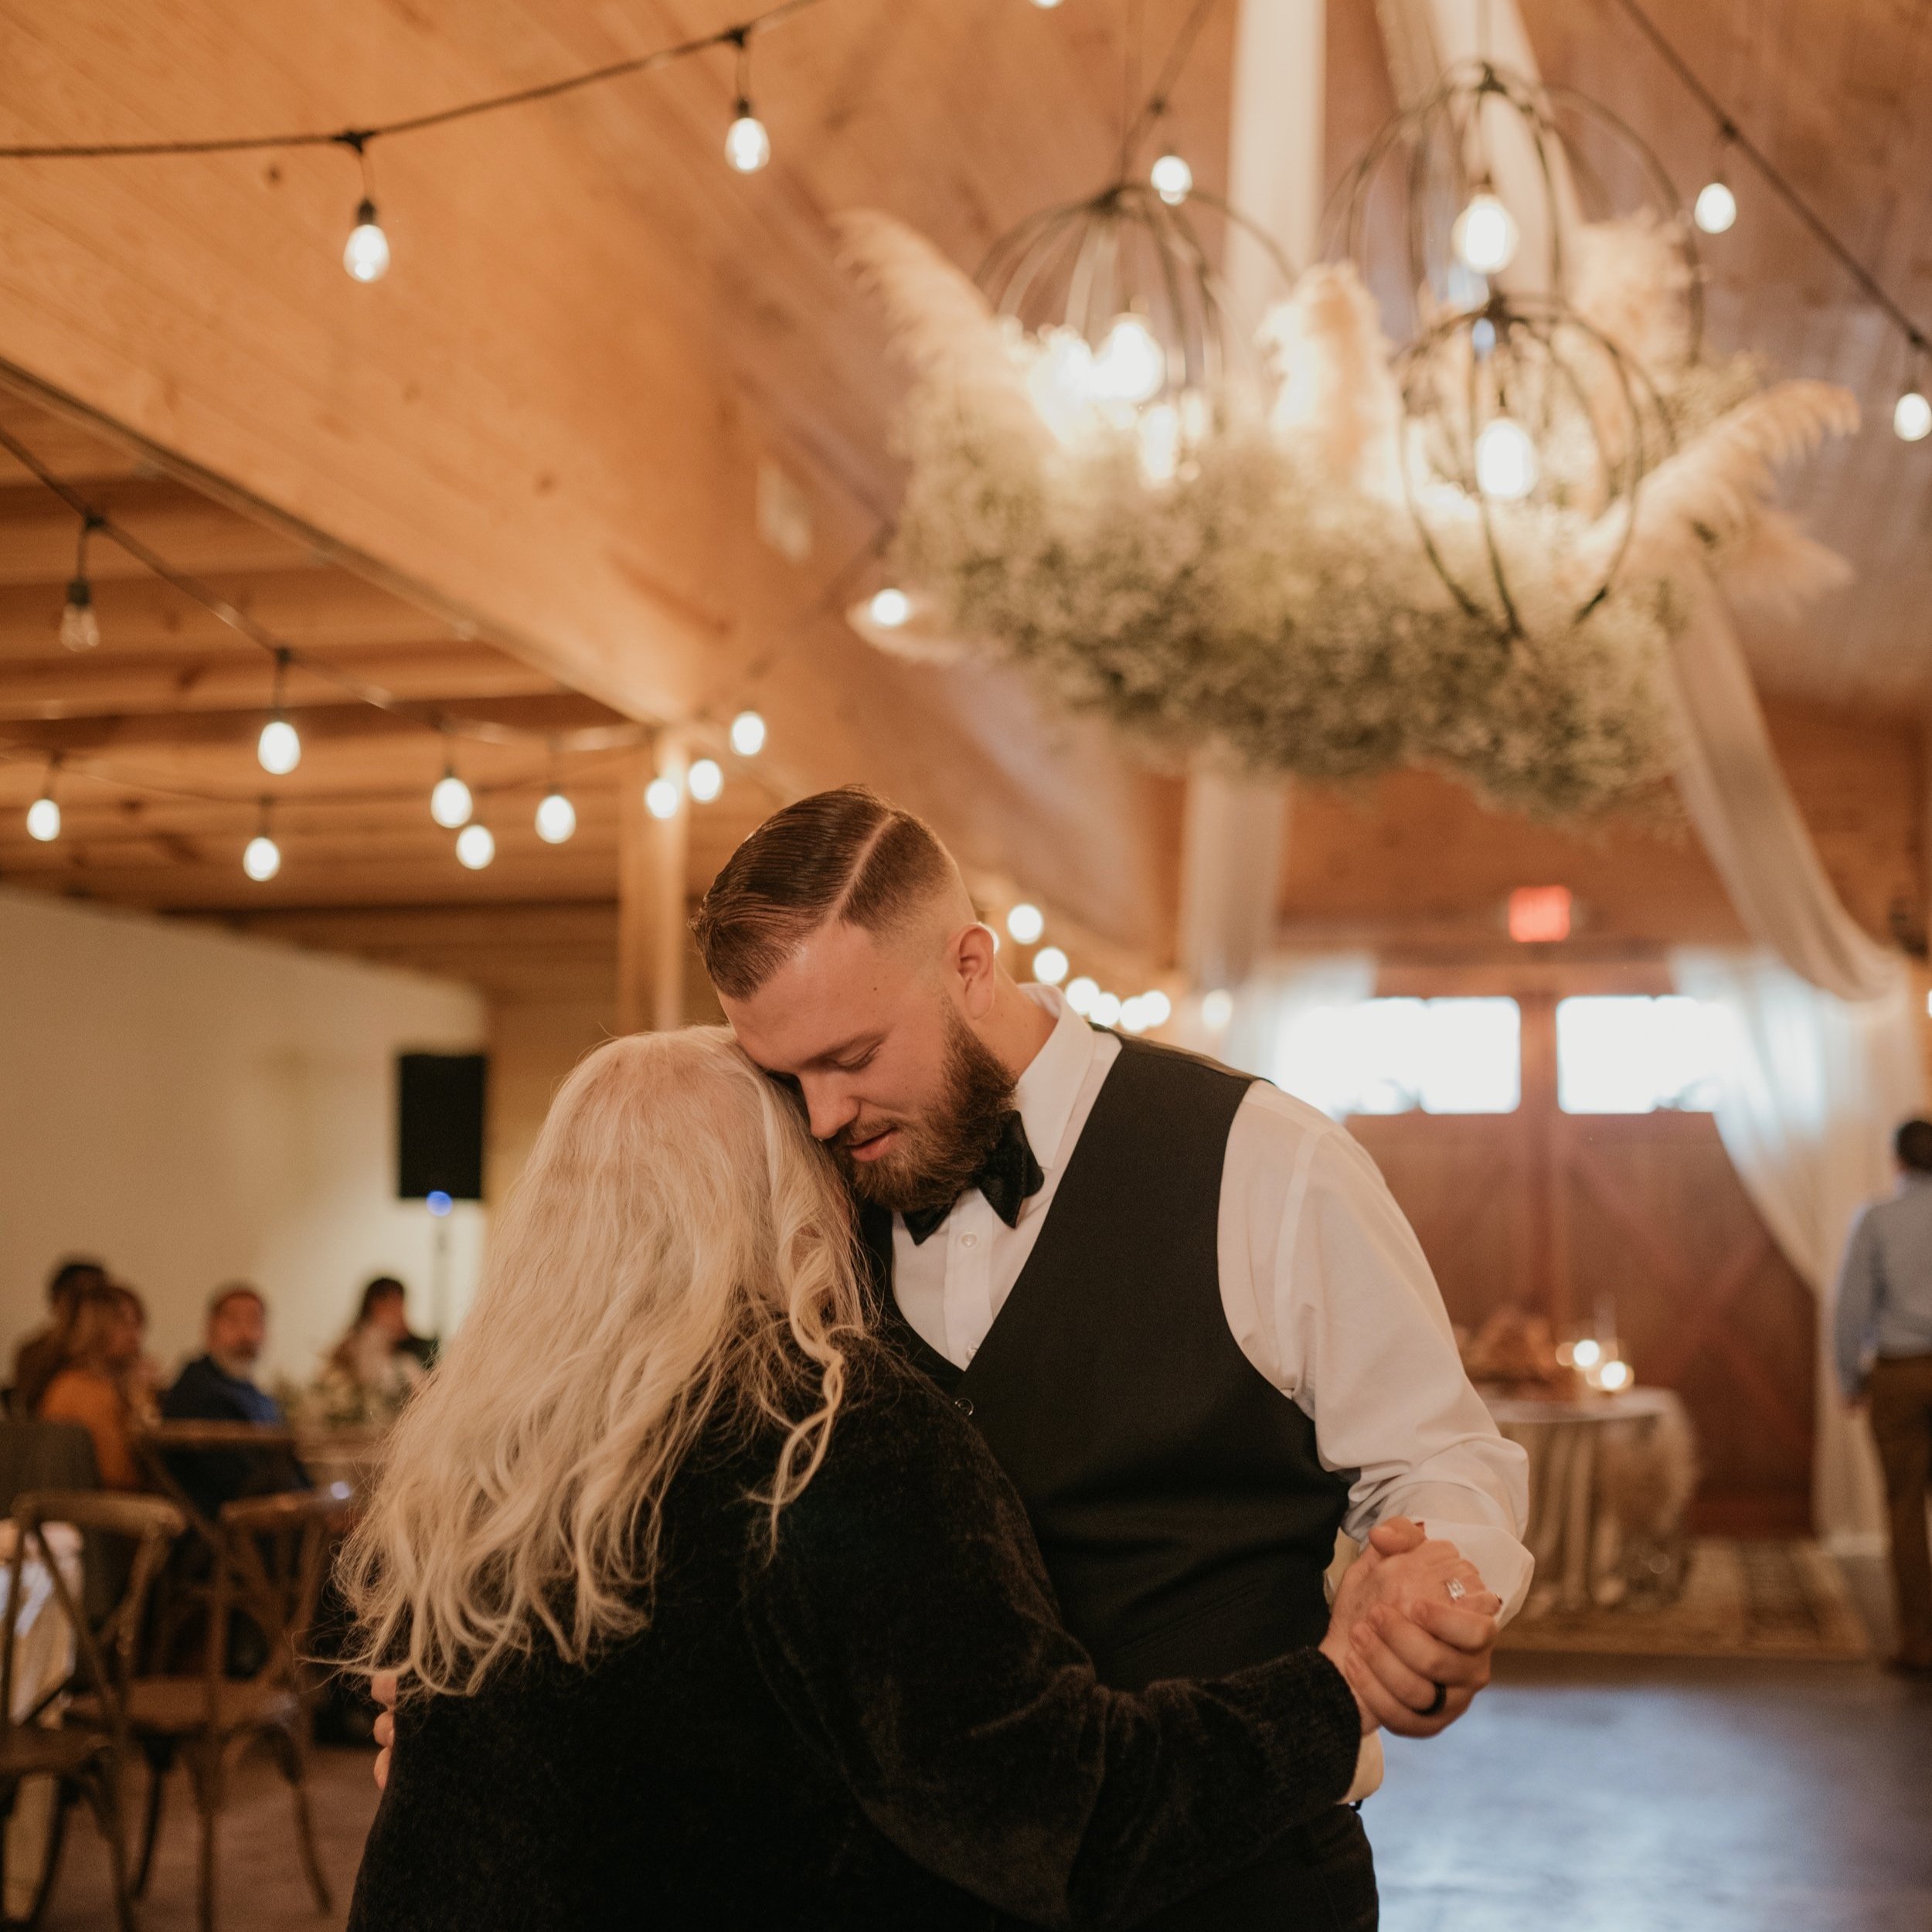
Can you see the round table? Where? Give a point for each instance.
(1580, 1530)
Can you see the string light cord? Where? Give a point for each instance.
(1156, 103)
(359, 138)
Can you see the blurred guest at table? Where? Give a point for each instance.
(1885, 1357)
(219, 1386)
(38, 1360)
(377, 1367)
(100, 1385)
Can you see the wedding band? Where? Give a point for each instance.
(1442, 1698)
(1457, 1590)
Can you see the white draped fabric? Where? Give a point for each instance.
(1813, 1087)
(1280, 992)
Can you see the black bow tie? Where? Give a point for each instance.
(1007, 1176)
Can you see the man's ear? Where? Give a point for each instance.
(975, 959)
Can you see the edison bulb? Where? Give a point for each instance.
(43, 820)
(1912, 417)
(1026, 922)
(262, 858)
(1158, 1007)
(1172, 179)
(279, 748)
(1050, 966)
(1106, 1009)
(1587, 1354)
(80, 628)
(747, 734)
(1131, 365)
(1615, 1374)
(705, 780)
(557, 819)
(451, 803)
(366, 253)
(1081, 994)
(1485, 235)
(1506, 465)
(889, 608)
(475, 846)
(1714, 208)
(661, 797)
(747, 146)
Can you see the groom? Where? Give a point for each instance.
(1182, 1309)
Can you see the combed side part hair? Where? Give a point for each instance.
(677, 1254)
(844, 855)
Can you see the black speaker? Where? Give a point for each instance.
(439, 1125)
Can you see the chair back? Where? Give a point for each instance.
(273, 1556)
(150, 1524)
(60, 1455)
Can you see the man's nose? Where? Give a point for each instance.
(829, 1107)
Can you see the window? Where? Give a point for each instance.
(1397, 1055)
(1636, 1056)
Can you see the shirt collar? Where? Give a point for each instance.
(1047, 1091)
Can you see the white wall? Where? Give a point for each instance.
(194, 1106)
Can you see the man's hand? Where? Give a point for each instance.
(382, 1687)
(1397, 1635)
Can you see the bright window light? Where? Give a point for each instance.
(1398, 1056)
(1619, 1054)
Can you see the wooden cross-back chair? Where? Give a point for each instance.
(85, 1751)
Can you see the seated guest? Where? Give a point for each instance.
(37, 1361)
(100, 1385)
(219, 1386)
(375, 1367)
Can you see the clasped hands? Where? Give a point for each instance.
(1396, 1632)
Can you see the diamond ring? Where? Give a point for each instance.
(1457, 1590)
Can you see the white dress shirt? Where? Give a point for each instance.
(1324, 1286)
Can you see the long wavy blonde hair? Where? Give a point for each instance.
(677, 1252)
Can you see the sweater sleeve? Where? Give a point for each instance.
(905, 1623)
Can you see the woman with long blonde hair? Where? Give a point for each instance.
(708, 1612)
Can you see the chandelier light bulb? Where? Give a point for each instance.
(451, 803)
(43, 820)
(1131, 365)
(705, 780)
(747, 734)
(262, 859)
(80, 628)
(475, 846)
(661, 797)
(1716, 207)
(366, 253)
(1912, 417)
(1172, 179)
(1026, 922)
(1049, 965)
(1506, 465)
(557, 819)
(1081, 994)
(279, 748)
(747, 146)
(889, 608)
(1485, 235)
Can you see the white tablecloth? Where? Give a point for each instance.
(43, 1656)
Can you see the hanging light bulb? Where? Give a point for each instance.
(747, 734)
(366, 253)
(1158, 1007)
(43, 819)
(1506, 465)
(1912, 416)
(475, 845)
(1081, 994)
(1026, 922)
(1046, 6)
(889, 608)
(1716, 207)
(451, 803)
(279, 748)
(705, 780)
(1106, 1009)
(556, 817)
(80, 628)
(1131, 364)
(1217, 1008)
(661, 797)
(262, 859)
(1485, 235)
(1172, 179)
(1049, 965)
(747, 146)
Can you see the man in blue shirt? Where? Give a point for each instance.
(1884, 1337)
(220, 1387)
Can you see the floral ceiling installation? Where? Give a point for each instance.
(1249, 571)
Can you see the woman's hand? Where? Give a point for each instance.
(1414, 1655)
(382, 1687)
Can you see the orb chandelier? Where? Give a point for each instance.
(1519, 393)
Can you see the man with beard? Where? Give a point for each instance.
(1182, 1309)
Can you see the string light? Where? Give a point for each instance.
(1133, 1018)
(1506, 465)
(366, 253)
(1716, 207)
(1081, 994)
(279, 748)
(1912, 415)
(80, 628)
(1217, 1008)
(661, 797)
(890, 607)
(1105, 1010)
(1158, 1007)
(1026, 922)
(1485, 234)
(1049, 965)
(747, 734)
(705, 780)
(43, 815)
(1172, 179)
(747, 146)
(556, 817)
(262, 857)
(451, 803)
(1046, 6)
(475, 845)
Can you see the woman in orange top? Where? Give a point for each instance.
(99, 1385)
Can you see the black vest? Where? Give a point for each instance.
(1184, 1516)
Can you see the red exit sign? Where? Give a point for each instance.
(1539, 915)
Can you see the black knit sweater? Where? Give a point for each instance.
(883, 1725)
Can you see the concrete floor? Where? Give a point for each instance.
(1580, 1794)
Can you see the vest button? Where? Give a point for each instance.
(964, 1404)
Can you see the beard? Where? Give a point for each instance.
(939, 1151)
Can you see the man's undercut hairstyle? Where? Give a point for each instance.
(844, 855)
(1913, 1146)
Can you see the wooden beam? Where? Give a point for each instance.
(38, 535)
(653, 862)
